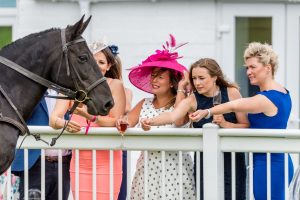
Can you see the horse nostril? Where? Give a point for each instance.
(109, 104)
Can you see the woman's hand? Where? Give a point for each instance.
(72, 127)
(146, 124)
(183, 84)
(118, 124)
(220, 120)
(198, 115)
(82, 111)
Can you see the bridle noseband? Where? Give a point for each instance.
(79, 96)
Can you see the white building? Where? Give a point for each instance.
(214, 28)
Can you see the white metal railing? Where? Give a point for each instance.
(210, 140)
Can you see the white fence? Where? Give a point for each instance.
(210, 140)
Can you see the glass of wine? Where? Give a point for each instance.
(217, 99)
(123, 121)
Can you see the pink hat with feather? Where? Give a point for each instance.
(140, 75)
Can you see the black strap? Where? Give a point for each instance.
(68, 92)
(13, 122)
(21, 126)
(16, 111)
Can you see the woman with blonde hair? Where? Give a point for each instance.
(269, 109)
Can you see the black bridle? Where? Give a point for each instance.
(79, 96)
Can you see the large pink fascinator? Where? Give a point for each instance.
(140, 75)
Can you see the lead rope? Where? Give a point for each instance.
(69, 113)
(53, 141)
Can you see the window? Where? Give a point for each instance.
(8, 3)
(249, 29)
(5, 35)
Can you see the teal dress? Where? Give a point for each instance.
(260, 121)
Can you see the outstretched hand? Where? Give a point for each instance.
(146, 124)
(197, 115)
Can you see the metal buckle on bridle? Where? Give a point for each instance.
(81, 96)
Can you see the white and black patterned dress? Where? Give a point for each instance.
(155, 168)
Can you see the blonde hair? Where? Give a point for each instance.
(264, 53)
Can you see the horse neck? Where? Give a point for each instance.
(35, 56)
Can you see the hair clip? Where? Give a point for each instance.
(114, 49)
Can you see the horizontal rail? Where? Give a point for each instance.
(169, 139)
(109, 138)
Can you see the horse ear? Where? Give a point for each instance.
(85, 24)
(78, 28)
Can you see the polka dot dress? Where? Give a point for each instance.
(155, 168)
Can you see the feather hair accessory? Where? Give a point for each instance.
(168, 52)
(171, 44)
(98, 45)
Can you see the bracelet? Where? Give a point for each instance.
(94, 118)
(183, 91)
(208, 114)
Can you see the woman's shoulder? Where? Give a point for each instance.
(115, 85)
(128, 91)
(233, 93)
(115, 82)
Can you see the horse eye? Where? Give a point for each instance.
(83, 58)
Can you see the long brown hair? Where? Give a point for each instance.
(115, 70)
(214, 70)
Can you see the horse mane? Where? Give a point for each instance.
(28, 37)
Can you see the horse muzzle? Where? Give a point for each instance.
(95, 110)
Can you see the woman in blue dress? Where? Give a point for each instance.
(269, 109)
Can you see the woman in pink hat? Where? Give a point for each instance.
(110, 66)
(160, 75)
(210, 88)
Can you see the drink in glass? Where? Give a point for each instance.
(217, 99)
(123, 121)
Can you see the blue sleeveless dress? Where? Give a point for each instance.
(260, 121)
(204, 102)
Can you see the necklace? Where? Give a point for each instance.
(167, 105)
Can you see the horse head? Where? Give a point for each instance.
(85, 76)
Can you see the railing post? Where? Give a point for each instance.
(213, 163)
